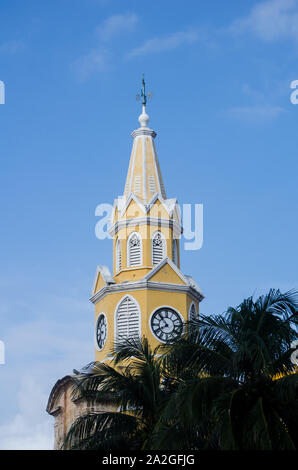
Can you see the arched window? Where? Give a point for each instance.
(118, 255)
(192, 312)
(158, 248)
(174, 251)
(134, 250)
(128, 319)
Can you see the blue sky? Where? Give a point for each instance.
(220, 75)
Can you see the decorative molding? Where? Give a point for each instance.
(143, 131)
(172, 265)
(149, 285)
(164, 246)
(106, 275)
(154, 221)
(128, 250)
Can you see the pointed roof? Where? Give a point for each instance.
(144, 177)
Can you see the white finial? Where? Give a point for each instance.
(144, 118)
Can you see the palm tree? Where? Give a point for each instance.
(133, 386)
(227, 383)
(241, 391)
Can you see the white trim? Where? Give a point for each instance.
(161, 264)
(95, 332)
(154, 221)
(143, 131)
(158, 171)
(128, 250)
(132, 197)
(126, 187)
(158, 308)
(118, 260)
(115, 315)
(174, 251)
(147, 285)
(132, 165)
(144, 169)
(123, 202)
(154, 154)
(164, 254)
(106, 275)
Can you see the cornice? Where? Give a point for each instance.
(143, 131)
(143, 284)
(154, 221)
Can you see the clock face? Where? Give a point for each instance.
(101, 331)
(166, 324)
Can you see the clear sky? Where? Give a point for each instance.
(220, 75)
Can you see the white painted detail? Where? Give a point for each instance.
(174, 251)
(137, 186)
(144, 169)
(151, 181)
(107, 277)
(118, 255)
(192, 314)
(128, 323)
(158, 248)
(134, 249)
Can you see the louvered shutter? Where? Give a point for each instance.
(174, 251)
(192, 313)
(151, 184)
(158, 248)
(118, 255)
(127, 318)
(137, 188)
(134, 250)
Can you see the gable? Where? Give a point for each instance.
(100, 283)
(167, 274)
(158, 210)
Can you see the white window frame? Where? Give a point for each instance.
(95, 331)
(116, 311)
(164, 246)
(128, 250)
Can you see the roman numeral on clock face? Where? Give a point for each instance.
(166, 324)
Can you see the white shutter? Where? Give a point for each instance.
(118, 255)
(193, 312)
(127, 319)
(151, 181)
(137, 184)
(174, 251)
(134, 250)
(158, 248)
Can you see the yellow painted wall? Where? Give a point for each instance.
(148, 301)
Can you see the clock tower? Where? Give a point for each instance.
(146, 294)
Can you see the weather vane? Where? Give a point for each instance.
(143, 93)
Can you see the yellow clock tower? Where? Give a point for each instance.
(147, 294)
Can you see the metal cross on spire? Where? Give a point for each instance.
(143, 93)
